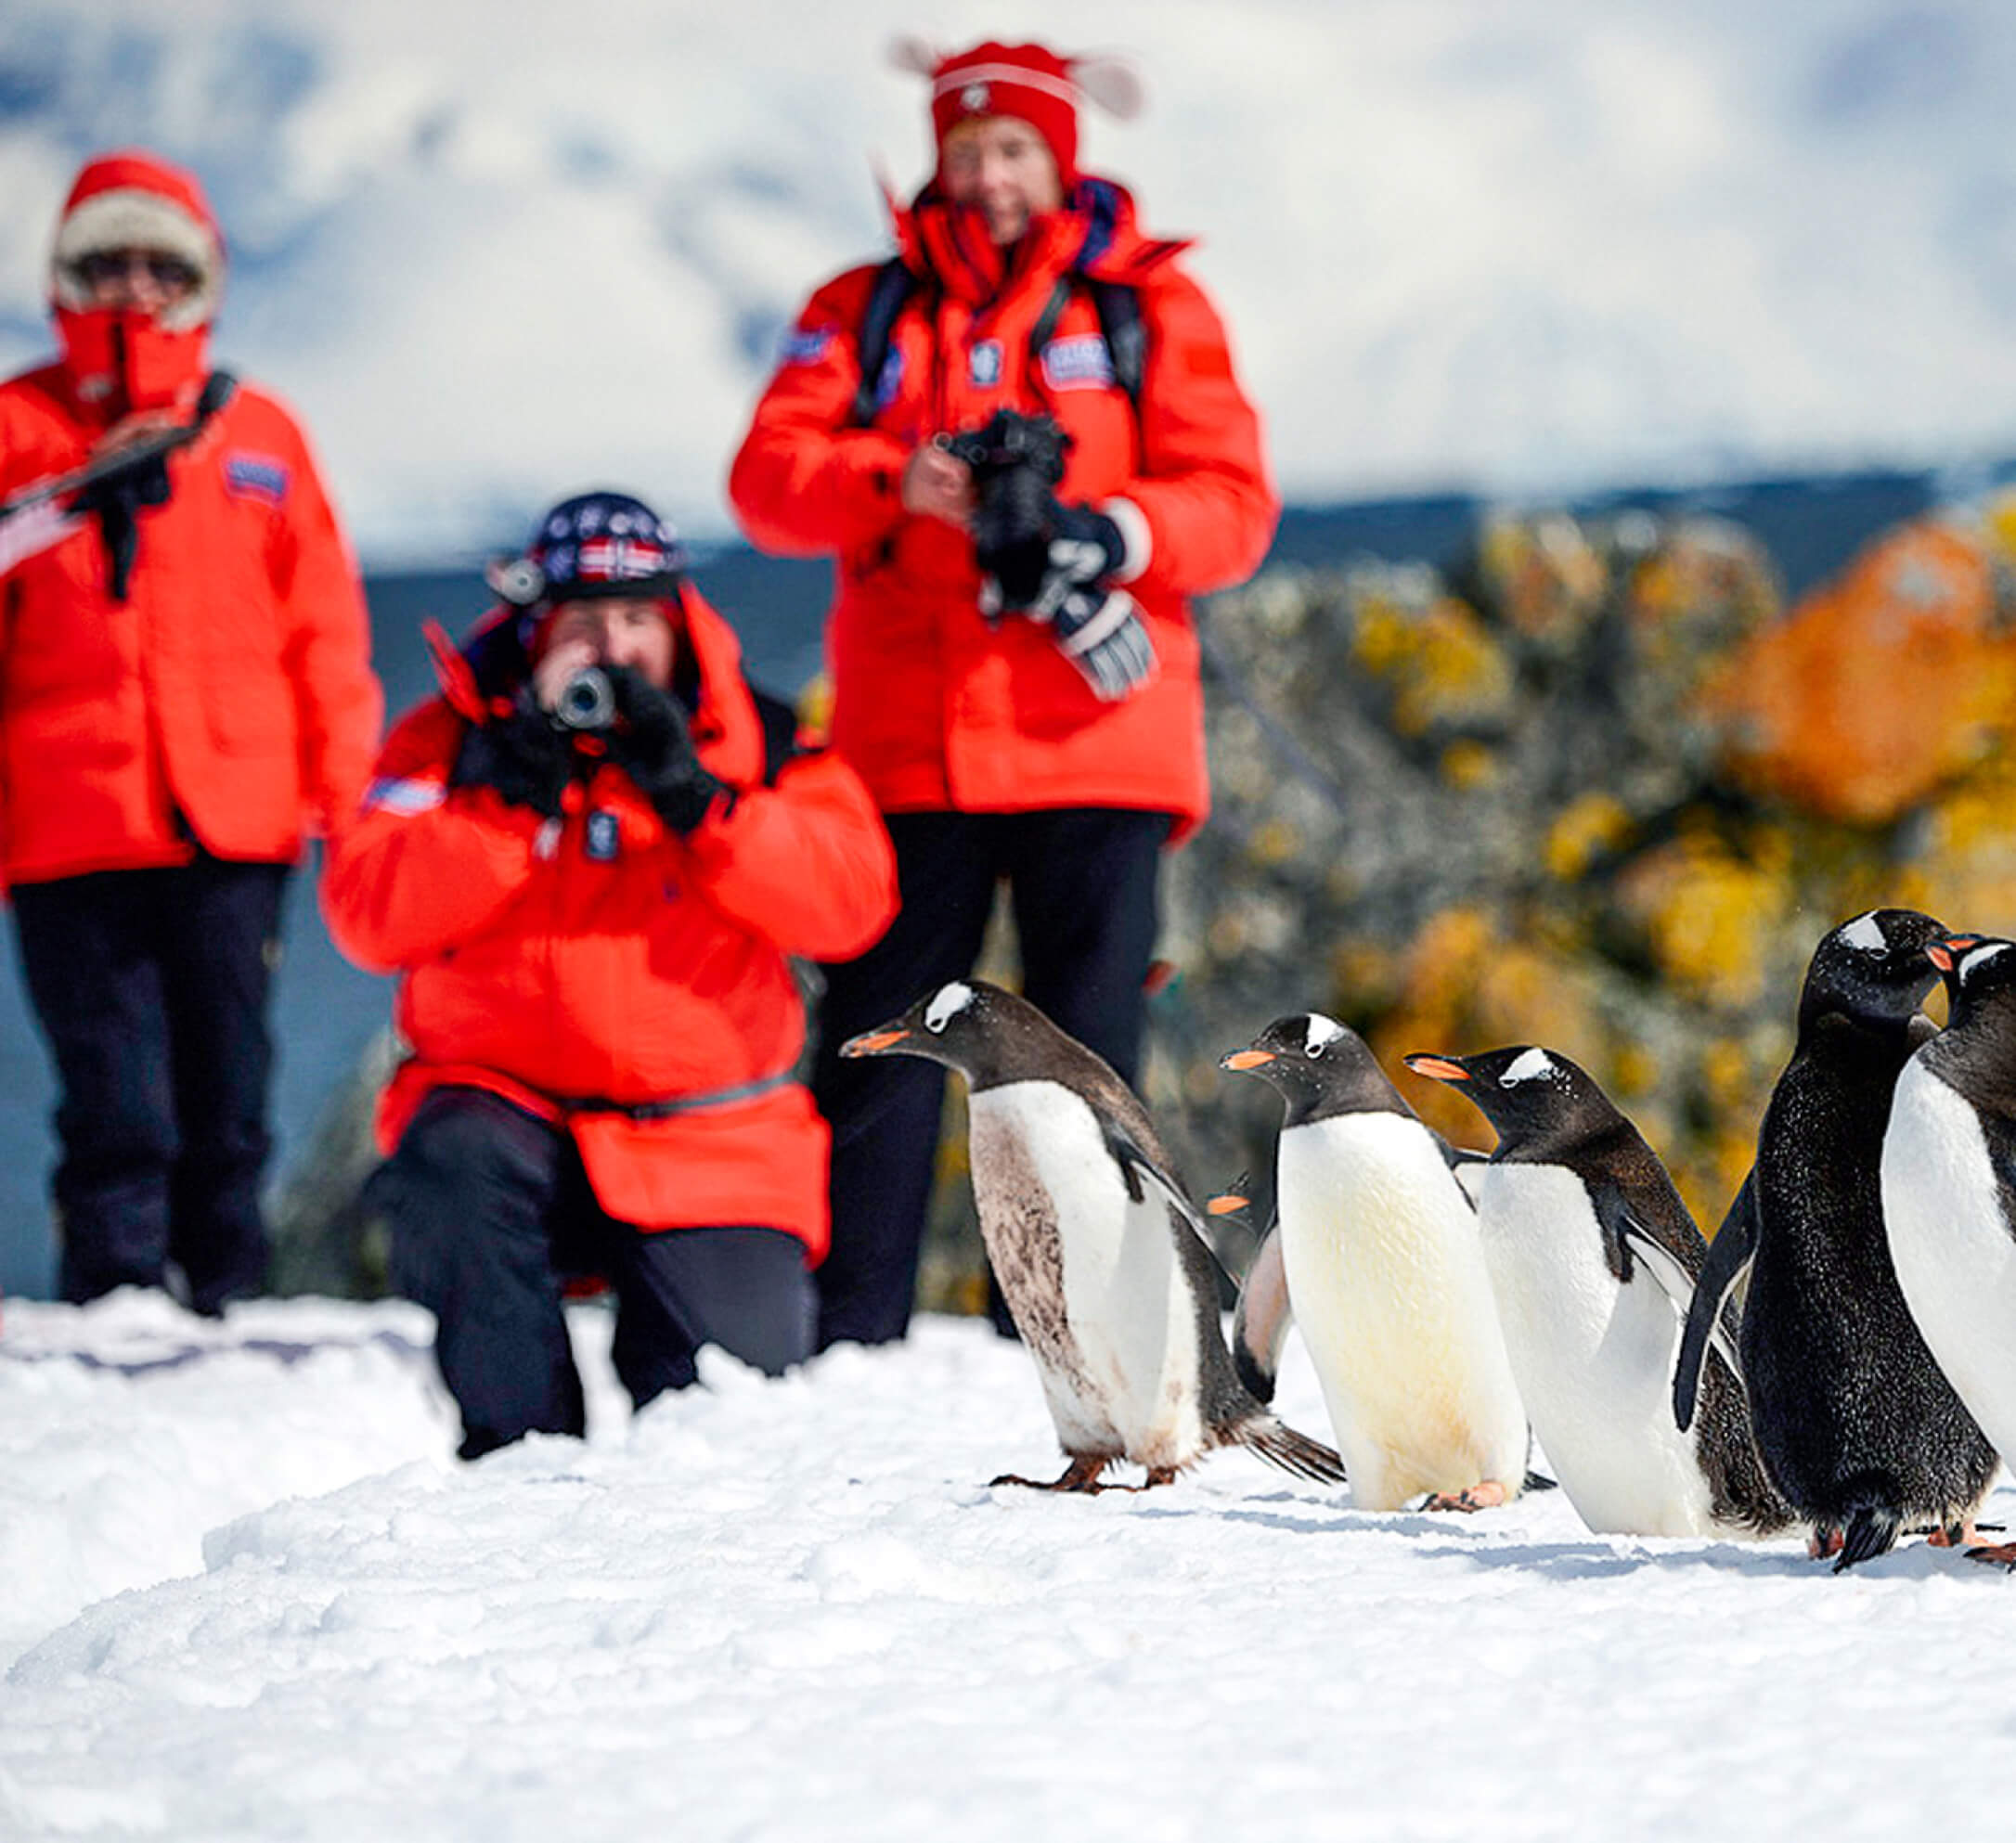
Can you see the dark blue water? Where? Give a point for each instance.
(326, 1011)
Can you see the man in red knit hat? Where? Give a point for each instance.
(185, 695)
(1024, 443)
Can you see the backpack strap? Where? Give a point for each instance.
(893, 284)
(1117, 303)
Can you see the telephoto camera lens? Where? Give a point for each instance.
(587, 701)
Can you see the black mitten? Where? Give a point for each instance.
(521, 755)
(652, 744)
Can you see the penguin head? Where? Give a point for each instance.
(988, 1034)
(1873, 969)
(1321, 1066)
(949, 1025)
(1526, 1092)
(1980, 974)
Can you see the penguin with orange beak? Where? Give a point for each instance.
(1385, 1278)
(1096, 1245)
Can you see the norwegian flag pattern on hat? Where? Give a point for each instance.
(602, 544)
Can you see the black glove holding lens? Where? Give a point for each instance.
(521, 755)
(652, 744)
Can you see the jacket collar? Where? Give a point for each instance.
(1093, 234)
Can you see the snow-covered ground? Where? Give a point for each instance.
(246, 1593)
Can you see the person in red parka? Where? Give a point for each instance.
(1015, 671)
(186, 694)
(591, 859)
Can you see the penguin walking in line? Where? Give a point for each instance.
(1856, 1424)
(1096, 1245)
(1592, 1259)
(1386, 1279)
(1949, 1187)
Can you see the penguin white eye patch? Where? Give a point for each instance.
(1979, 958)
(1533, 1066)
(1865, 933)
(950, 1001)
(1321, 1034)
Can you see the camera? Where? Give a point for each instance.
(587, 703)
(1017, 461)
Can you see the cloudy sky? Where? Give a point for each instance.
(500, 250)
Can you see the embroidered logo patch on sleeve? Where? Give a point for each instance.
(806, 345)
(248, 476)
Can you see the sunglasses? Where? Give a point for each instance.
(170, 274)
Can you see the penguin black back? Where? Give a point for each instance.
(1856, 1424)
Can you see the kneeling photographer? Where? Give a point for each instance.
(591, 860)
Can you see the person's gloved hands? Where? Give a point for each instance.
(521, 755)
(1099, 631)
(1083, 550)
(1097, 627)
(652, 744)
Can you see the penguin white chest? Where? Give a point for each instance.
(1091, 1275)
(1593, 1355)
(1386, 1278)
(1950, 1242)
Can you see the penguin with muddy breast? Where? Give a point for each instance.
(1949, 1187)
(1592, 1258)
(1095, 1244)
(1385, 1278)
(1857, 1425)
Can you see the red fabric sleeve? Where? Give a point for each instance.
(807, 863)
(803, 483)
(1204, 485)
(339, 703)
(421, 867)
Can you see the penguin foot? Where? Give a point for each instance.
(1486, 1496)
(1823, 1543)
(1081, 1474)
(1999, 1555)
(1954, 1536)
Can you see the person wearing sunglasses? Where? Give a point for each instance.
(186, 694)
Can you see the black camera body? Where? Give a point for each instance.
(587, 704)
(1016, 463)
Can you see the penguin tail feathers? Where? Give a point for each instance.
(1872, 1523)
(1279, 1444)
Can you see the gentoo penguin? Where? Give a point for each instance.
(1592, 1257)
(1857, 1426)
(1949, 1187)
(1095, 1243)
(1386, 1279)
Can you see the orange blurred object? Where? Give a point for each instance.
(1878, 687)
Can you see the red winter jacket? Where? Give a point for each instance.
(230, 697)
(936, 707)
(546, 961)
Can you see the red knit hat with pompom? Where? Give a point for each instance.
(1030, 81)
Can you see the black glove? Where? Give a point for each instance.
(1084, 548)
(521, 755)
(652, 744)
(1096, 627)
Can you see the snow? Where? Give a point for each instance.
(248, 1594)
(496, 252)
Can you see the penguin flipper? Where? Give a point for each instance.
(1464, 1165)
(1259, 1324)
(1728, 1255)
(1141, 1173)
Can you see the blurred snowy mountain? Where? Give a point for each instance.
(496, 252)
